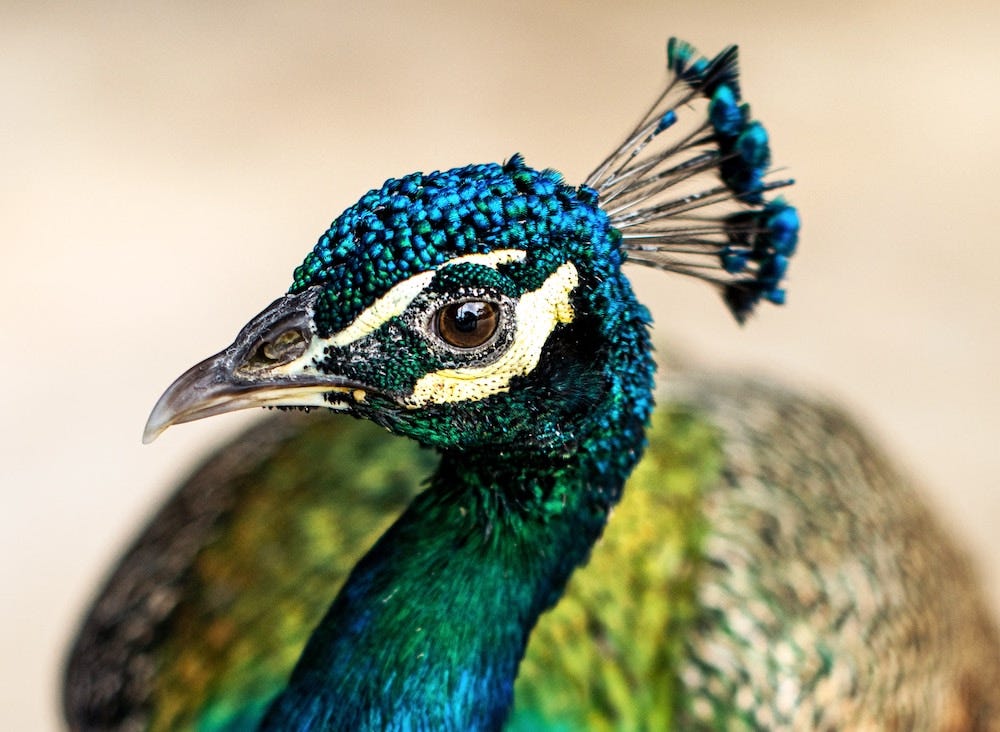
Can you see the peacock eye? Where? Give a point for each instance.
(467, 324)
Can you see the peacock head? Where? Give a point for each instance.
(485, 306)
(465, 308)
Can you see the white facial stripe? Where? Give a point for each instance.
(394, 303)
(308, 396)
(489, 259)
(538, 313)
(390, 305)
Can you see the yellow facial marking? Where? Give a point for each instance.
(394, 303)
(537, 315)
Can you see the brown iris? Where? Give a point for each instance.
(467, 324)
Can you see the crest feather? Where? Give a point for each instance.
(694, 201)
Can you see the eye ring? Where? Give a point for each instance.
(467, 324)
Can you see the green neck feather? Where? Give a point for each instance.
(430, 628)
(434, 620)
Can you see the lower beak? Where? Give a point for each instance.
(204, 391)
(233, 379)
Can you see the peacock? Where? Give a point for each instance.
(547, 550)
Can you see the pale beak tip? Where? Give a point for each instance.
(152, 430)
(160, 418)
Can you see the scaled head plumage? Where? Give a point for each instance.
(422, 221)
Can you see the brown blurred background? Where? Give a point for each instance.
(163, 167)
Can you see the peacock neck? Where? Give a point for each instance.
(430, 628)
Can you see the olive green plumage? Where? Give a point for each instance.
(828, 596)
(766, 569)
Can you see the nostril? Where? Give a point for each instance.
(286, 346)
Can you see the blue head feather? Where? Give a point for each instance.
(418, 222)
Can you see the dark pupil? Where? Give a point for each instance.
(468, 314)
(467, 324)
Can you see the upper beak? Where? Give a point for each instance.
(271, 363)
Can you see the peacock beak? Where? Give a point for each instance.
(270, 364)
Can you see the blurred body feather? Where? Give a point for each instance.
(748, 580)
